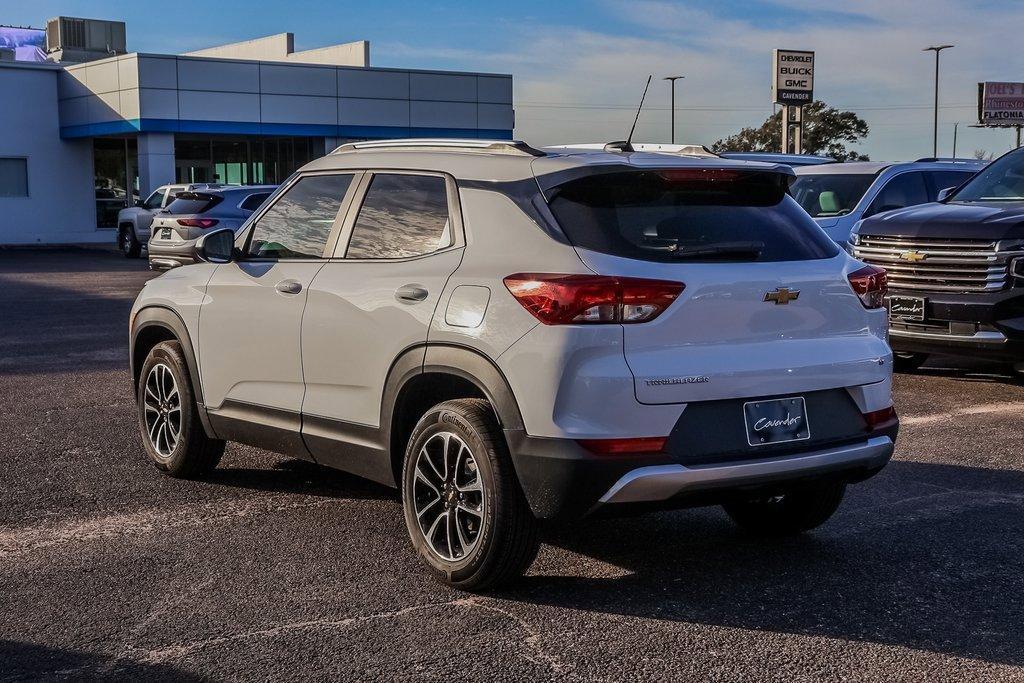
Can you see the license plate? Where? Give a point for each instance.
(906, 307)
(776, 421)
(165, 233)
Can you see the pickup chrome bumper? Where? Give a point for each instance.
(661, 482)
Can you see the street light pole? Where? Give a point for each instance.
(935, 130)
(672, 80)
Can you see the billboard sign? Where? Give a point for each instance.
(25, 44)
(1001, 103)
(792, 77)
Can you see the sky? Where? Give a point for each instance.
(579, 67)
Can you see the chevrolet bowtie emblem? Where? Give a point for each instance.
(913, 256)
(782, 295)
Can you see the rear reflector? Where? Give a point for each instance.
(197, 222)
(880, 418)
(871, 284)
(647, 444)
(557, 299)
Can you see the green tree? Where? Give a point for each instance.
(827, 132)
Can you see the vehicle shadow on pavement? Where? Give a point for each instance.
(31, 661)
(302, 477)
(934, 563)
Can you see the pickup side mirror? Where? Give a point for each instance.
(944, 194)
(215, 247)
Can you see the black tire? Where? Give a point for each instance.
(793, 513)
(128, 243)
(193, 453)
(908, 362)
(506, 540)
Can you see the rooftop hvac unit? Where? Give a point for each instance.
(81, 40)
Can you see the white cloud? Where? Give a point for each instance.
(871, 63)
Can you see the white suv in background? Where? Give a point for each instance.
(511, 335)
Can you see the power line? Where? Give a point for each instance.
(892, 107)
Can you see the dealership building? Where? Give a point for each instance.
(93, 128)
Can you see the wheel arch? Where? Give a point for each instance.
(426, 375)
(155, 324)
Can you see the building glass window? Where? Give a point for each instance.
(111, 167)
(13, 177)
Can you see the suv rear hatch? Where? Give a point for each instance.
(766, 308)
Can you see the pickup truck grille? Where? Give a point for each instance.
(938, 265)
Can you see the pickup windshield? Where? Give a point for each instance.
(830, 194)
(688, 214)
(1002, 181)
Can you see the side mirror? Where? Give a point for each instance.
(944, 194)
(216, 247)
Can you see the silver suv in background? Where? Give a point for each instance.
(509, 335)
(838, 195)
(194, 213)
(133, 223)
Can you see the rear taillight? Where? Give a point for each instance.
(644, 444)
(870, 284)
(197, 222)
(880, 418)
(557, 299)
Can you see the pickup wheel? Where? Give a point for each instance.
(172, 433)
(466, 514)
(792, 513)
(129, 244)
(908, 362)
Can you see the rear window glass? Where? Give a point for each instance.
(193, 202)
(688, 214)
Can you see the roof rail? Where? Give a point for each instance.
(665, 148)
(956, 159)
(513, 147)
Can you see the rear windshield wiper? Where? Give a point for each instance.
(749, 249)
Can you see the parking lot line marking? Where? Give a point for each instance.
(983, 409)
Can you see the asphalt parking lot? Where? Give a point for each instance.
(275, 569)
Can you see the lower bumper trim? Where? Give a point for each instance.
(980, 337)
(661, 482)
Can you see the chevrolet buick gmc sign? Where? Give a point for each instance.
(792, 77)
(1000, 104)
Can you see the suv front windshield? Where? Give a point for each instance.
(830, 194)
(1002, 181)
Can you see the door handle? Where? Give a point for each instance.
(410, 294)
(289, 287)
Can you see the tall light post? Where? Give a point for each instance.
(672, 80)
(935, 130)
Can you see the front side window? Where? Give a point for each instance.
(677, 214)
(906, 189)
(830, 194)
(154, 200)
(944, 180)
(402, 216)
(1001, 181)
(299, 223)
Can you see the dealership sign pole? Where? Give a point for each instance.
(1001, 105)
(792, 87)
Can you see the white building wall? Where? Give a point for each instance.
(61, 207)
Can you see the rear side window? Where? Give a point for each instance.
(402, 216)
(253, 201)
(688, 214)
(299, 223)
(193, 202)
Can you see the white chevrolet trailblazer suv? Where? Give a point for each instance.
(510, 335)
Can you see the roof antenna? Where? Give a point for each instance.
(627, 145)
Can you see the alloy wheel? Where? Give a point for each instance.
(162, 404)
(448, 496)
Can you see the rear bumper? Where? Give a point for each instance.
(662, 482)
(561, 480)
(988, 326)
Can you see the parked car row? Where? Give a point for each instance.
(168, 221)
